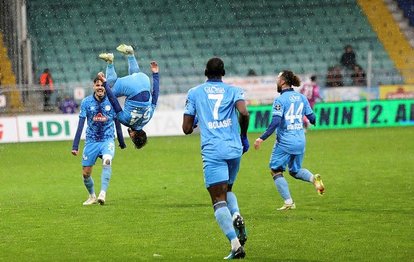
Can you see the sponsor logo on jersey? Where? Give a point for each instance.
(100, 118)
(108, 108)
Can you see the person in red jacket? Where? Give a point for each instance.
(46, 81)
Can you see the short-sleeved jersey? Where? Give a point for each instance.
(214, 104)
(135, 114)
(100, 119)
(291, 106)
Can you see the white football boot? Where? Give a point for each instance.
(287, 207)
(91, 200)
(125, 49)
(101, 197)
(107, 57)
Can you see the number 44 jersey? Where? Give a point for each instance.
(291, 106)
(214, 104)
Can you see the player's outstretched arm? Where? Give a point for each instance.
(119, 134)
(155, 82)
(75, 145)
(269, 131)
(112, 99)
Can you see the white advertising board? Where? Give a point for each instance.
(63, 127)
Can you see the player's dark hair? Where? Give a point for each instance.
(215, 68)
(96, 79)
(139, 139)
(313, 78)
(290, 78)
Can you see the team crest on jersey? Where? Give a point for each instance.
(108, 108)
(100, 118)
(278, 107)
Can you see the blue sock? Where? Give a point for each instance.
(282, 186)
(106, 176)
(232, 204)
(89, 184)
(111, 75)
(132, 65)
(223, 217)
(304, 175)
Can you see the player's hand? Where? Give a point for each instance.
(101, 76)
(245, 143)
(257, 143)
(154, 67)
(75, 152)
(122, 146)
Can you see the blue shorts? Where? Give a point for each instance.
(217, 171)
(280, 159)
(93, 150)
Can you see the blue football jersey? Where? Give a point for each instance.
(291, 106)
(214, 104)
(135, 114)
(100, 118)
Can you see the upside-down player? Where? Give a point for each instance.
(140, 102)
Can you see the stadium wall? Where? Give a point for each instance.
(36, 128)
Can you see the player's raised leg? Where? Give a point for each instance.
(110, 73)
(128, 50)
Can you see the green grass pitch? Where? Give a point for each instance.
(158, 209)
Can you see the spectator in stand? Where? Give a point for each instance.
(311, 91)
(348, 59)
(334, 77)
(358, 76)
(46, 81)
(68, 105)
(251, 72)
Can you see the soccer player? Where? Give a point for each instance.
(100, 116)
(214, 106)
(287, 115)
(140, 103)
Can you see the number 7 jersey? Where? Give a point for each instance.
(214, 104)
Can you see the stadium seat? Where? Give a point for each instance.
(248, 34)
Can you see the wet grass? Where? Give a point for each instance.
(157, 206)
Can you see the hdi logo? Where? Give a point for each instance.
(48, 128)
